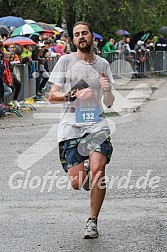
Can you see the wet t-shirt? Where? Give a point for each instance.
(81, 116)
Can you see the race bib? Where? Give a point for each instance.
(87, 115)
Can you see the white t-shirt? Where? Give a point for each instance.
(68, 72)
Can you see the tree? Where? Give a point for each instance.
(105, 16)
(5, 7)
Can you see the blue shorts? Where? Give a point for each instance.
(74, 151)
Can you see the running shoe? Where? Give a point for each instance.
(91, 231)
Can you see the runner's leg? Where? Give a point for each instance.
(97, 168)
(77, 176)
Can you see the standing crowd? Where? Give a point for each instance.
(12, 54)
(49, 47)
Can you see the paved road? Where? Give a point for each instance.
(38, 216)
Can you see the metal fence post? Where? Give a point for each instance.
(32, 82)
(22, 70)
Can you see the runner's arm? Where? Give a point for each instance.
(108, 98)
(56, 94)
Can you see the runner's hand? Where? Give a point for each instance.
(104, 81)
(84, 93)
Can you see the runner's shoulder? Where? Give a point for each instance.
(101, 60)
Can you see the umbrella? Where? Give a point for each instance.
(19, 41)
(29, 21)
(26, 29)
(47, 33)
(12, 21)
(46, 26)
(97, 36)
(163, 30)
(4, 29)
(59, 29)
(122, 32)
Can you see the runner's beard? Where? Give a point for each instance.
(85, 49)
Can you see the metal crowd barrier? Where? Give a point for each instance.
(28, 84)
(142, 63)
(52, 63)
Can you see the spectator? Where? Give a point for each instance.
(109, 46)
(128, 49)
(140, 47)
(7, 76)
(121, 45)
(12, 50)
(109, 50)
(43, 71)
(66, 40)
(27, 53)
(2, 49)
(161, 44)
(60, 48)
(96, 50)
(14, 60)
(123, 48)
(2, 68)
(49, 48)
(35, 51)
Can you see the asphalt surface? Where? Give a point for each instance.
(38, 216)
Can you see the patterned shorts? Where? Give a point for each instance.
(74, 151)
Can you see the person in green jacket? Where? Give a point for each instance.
(109, 48)
(27, 52)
